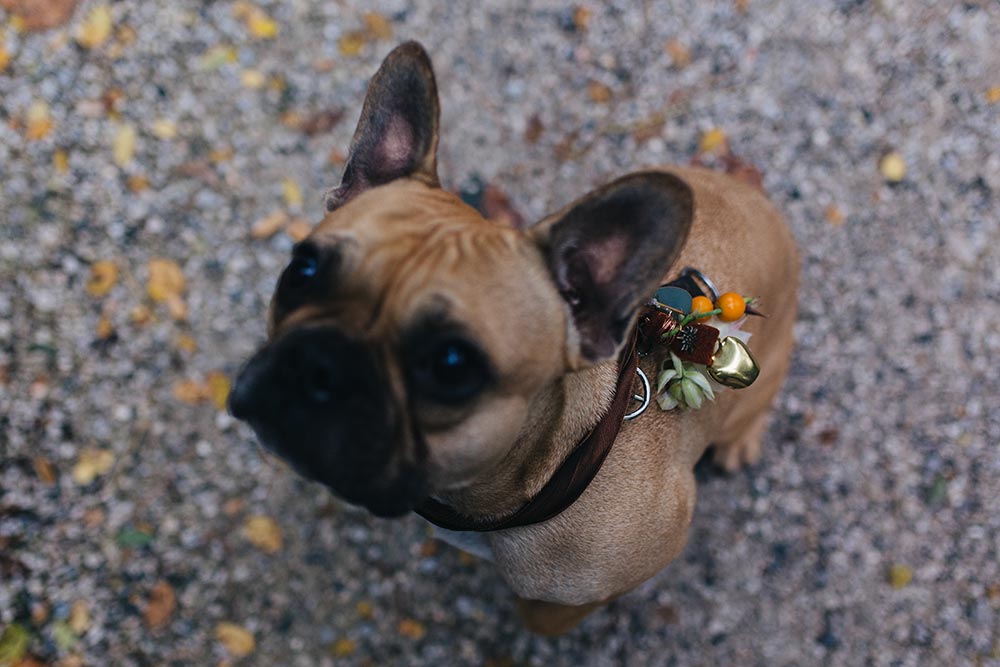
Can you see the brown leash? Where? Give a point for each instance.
(570, 479)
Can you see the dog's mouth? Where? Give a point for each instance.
(316, 399)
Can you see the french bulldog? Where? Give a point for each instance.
(417, 350)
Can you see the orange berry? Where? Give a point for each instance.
(733, 306)
(701, 304)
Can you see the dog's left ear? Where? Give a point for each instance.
(609, 251)
(397, 134)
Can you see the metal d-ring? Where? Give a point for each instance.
(636, 397)
(691, 271)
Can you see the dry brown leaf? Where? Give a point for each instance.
(137, 183)
(267, 227)
(378, 26)
(79, 617)
(993, 94)
(38, 121)
(45, 470)
(533, 131)
(105, 329)
(189, 391)
(95, 28)
(91, 464)
(166, 280)
(217, 384)
(598, 92)
(238, 640)
(320, 122)
(833, 215)
(264, 533)
(103, 276)
(298, 229)
(411, 629)
(581, 17)
(160, 606)
(680, 54)
(233, 506)
(37, 15)
(4, 57)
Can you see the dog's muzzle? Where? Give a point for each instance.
(318, 400)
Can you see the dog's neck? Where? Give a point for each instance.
(564, 412)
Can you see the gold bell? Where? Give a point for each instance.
(733, 365)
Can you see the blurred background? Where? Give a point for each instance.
(158, 159)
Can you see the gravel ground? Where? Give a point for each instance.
(868, 535)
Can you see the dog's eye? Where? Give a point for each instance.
(302, 269)
(449, 371)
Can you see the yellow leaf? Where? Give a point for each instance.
(268, 226)
(163, 128)
(39, 122)
(351, 43)
(598, 92)
(365, 609)
(189, 391)
(104, 328)
(264, 533)
(95, 28)
(91, 464)
(238, 640)
(893, 167)
(4, 58)
(900, 576)
(343, 647)
(18, 23)
(79, 617)
(165, 280)
(298, 229)
(293, 195)
(992, 94)
(103, 276)
(378, 25)
(216, 57)
(412, 629)
(713, 141)
(218, 388)
(140, 315)
(60, 161)
(123, 145)
(187, 343)
(252, 78)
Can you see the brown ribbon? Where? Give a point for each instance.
(570, 479)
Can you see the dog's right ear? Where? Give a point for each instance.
(397, 134)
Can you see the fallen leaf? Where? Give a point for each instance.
(264, 533)
(233, 506)
(680, 54)
(164, 129)
(599, 92)
(298, 229)
(189, 391)
(893, 167)
(105, 329)
(137, 183)
(238, 640)
(581, 17)
(742, 5)
(365, 609)
(320, 122)
(534, 129)
(140, 315)
(13, 643)
(123, 145)
(262, 26)
(378, 26)
(900, 576)
(95, 28)
(103, 276)
(60, 161)
(833, 215)
(79, 617)
(268, 226)
(38, 121)
(45, 470)
(343, 647)
(187, 343)
(713, 141)
(411, 629)
(93, 517)
(216, 57)
(252, 79)
(220, 155)
(38, 15)
(111, 99)
(351, 43)
(218, 385)
(992, 94)
(166, 280)
(4, 57)
(293, 195)
(160, 605)
(91, 464)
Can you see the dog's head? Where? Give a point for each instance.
(408, 335)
